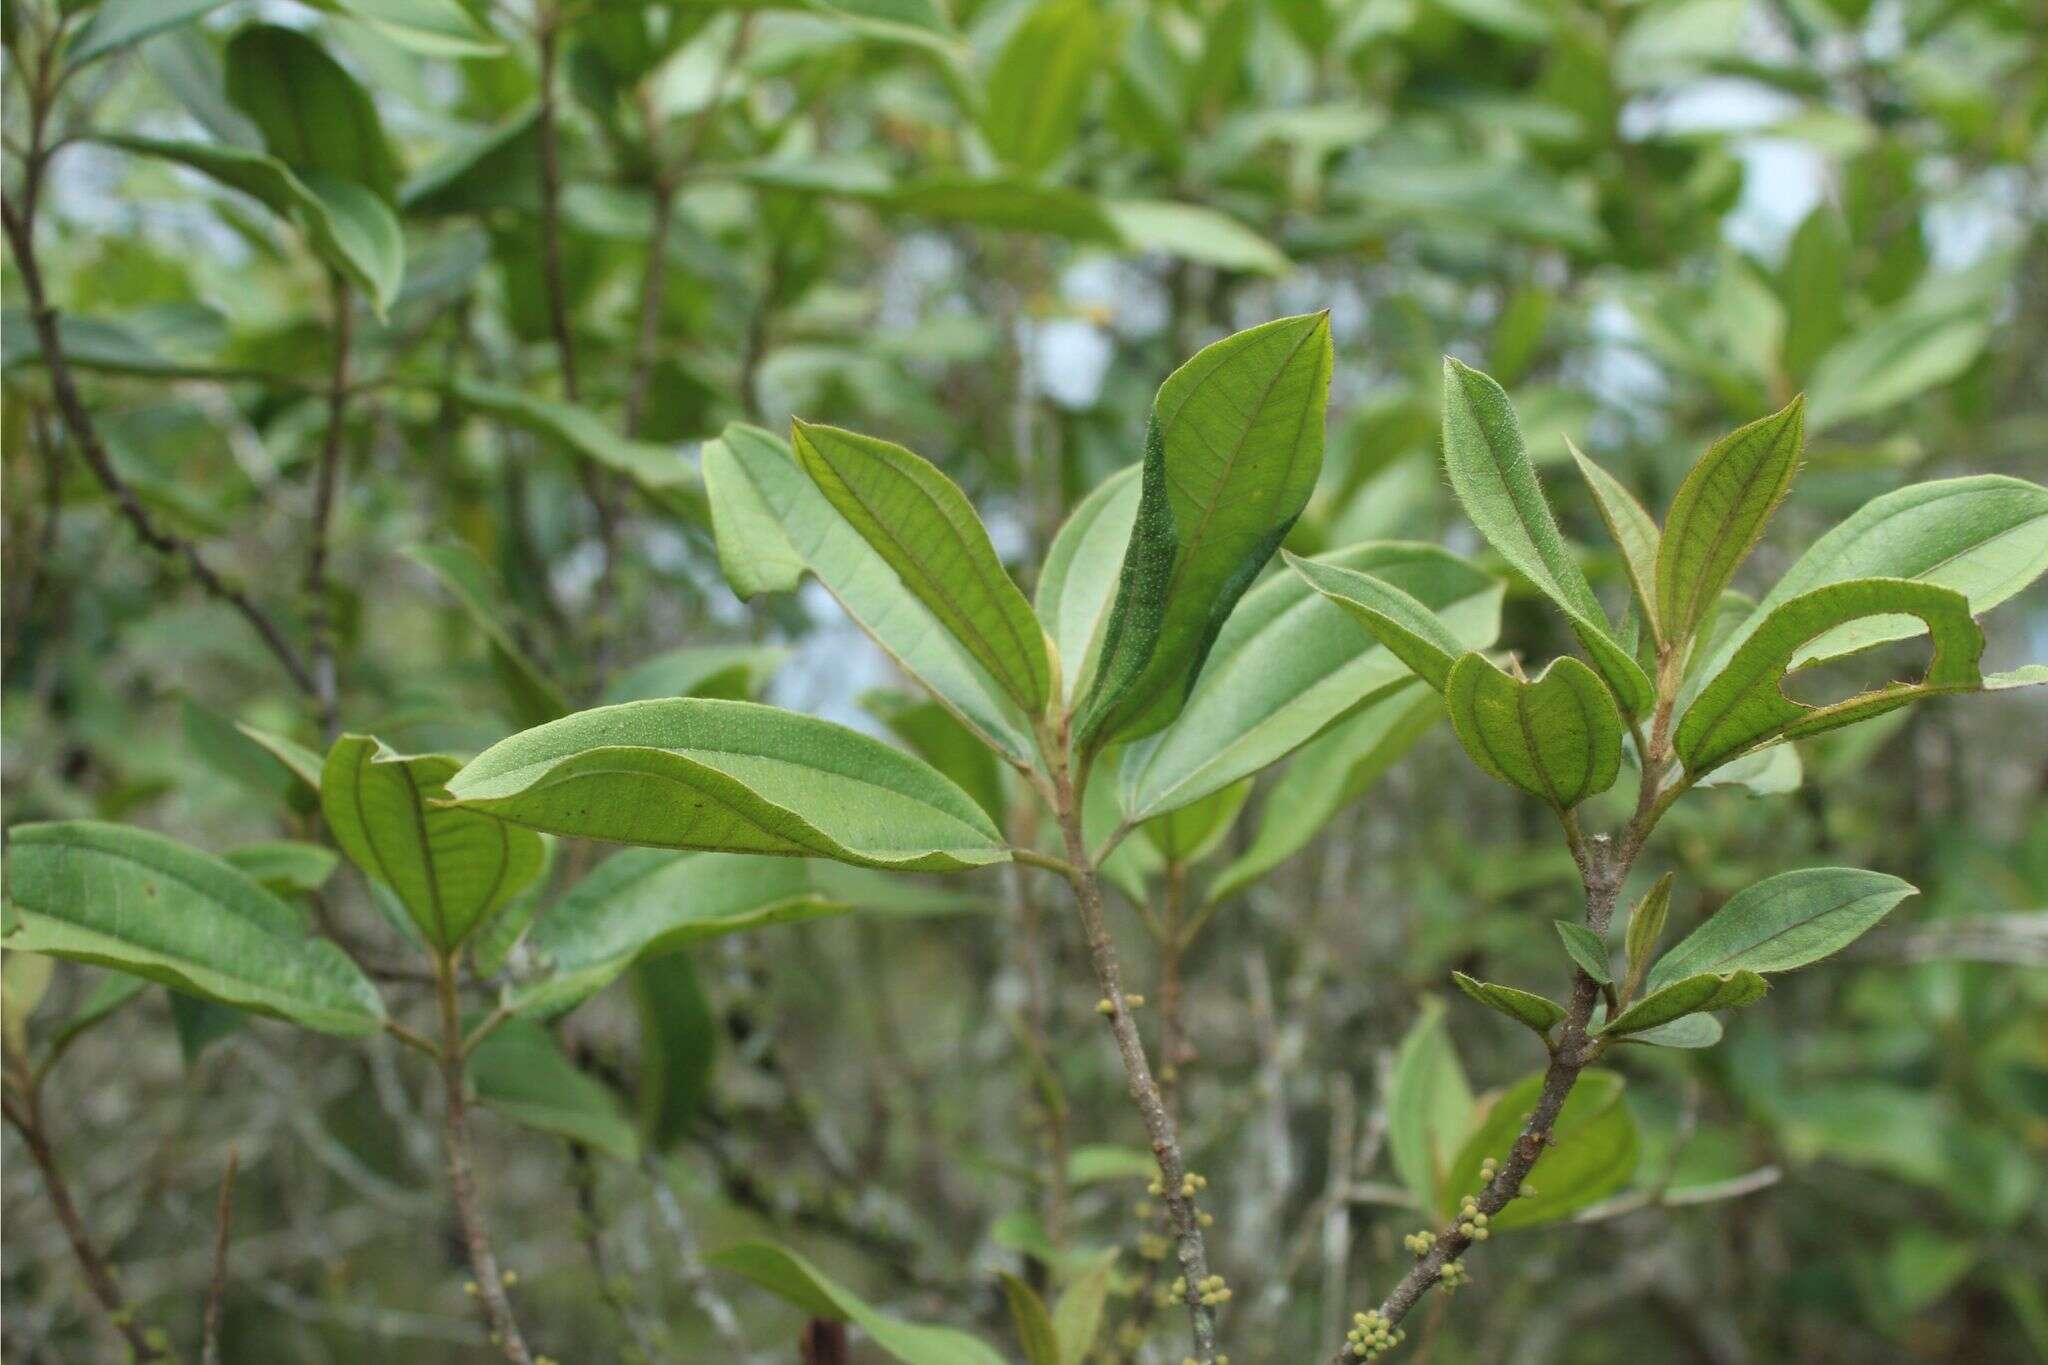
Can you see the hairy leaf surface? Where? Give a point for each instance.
(1557, 737)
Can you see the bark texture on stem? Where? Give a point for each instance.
(476, 1234)
(1189, 1247)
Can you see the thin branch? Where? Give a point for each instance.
(319, 613)
(223, 1216)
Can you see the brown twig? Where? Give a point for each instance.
(319, 614)
(222, 1217)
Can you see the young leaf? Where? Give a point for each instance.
(1592, 1153)
(1408, 629)
(1034, 1324)
(1521, 1006)
(1231, 455)
(773, 526)
(1429, 1105)
(730, 776)
(1744, 704)
(1491, 474)
(1288, 664)
(1037, 89)
(313, 115)
(643, 903)
(452, 869)
(923, 527)
(1645, 928)
(1587, 949)
(678, 1049)
(519, 1070)
(1078, 580)
(1558, 738)
(789, 1276)
(536, 697)
(149, 906)
(1634, 531)
(1784, 922)
(1687, 995)
(1720, 512)
(1331, 771)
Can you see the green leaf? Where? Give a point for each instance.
(1033, 1323)
(285, 866)
(1429, 1106)
(644, 903)
(1720, 512)
(1078, 580)
(1195, 232)
(295, 757)
(1192, 832)
(923, 527)
(1816, 283)
(1327, 774)
(936, 736)
(1289, 663)
(200, 1024)
(1490, 472)
(519, 1070)
(773, 526)
(1077, 1315)
(1010, 203)
(1414, 634)
(1784, 922)
(1094, 1163)
(1231, 454)
(345, 224)
(1587, 949)
(452, 869)
(1744, 705)
(433, 28)
(1558, 738)
(120, 23)
(1687, 995)
(789, 1276)
(1634, 532)
(149, 906)
(24, 980)
(730, 776)
(1037, 90)
(678, 1049)
(536, 697)
(1645, 928)
(1592, 1153)
(1898, 354)
(733, 672)
(1985, 536)
(497, 168)
(313, 115)
(1521, 1006)
(660, 470)
(1690, 1032)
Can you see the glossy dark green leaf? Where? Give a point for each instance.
(1784, 922)
(452, 869)
(1587, 949)
(1699, 994)
(149, 906)
(730, 776)
(1232, 451)
(1720, 512)
(923, 527)
(1592, 1153)
(1491, 474)
(313, 115)
(789, 1276)
(1557, 737)
(1523, 1007)
(519, 1071)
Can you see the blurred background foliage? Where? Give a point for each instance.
(988, 229)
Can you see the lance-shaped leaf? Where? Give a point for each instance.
(679, 1033)
(1037, 89)
(1231, 454)
(1744, 704)
(789, 1276)
(117, 24)
(730, 776)
(434, 28)
(1784, 922)
(1329, 773)
(642, 903)
(1429, 1105)
(1587, 949)
(536, 697)
(1592, 1153)
(1985, 536)
(1192, 832)
(1079, 578)
(1032, 1321)
(1645, 928)
(451, 869)
(1410, 631)
(519, 1070)
(154, 908)
(774, 525)
(313, 115)
(1719, 513)
(1698, 994)
(1633, 529)
(1289, 663)
(1523, 1007)
(1491, 474)
(1558, 737)
(346, 225)
(923, 527)
(658, 469)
